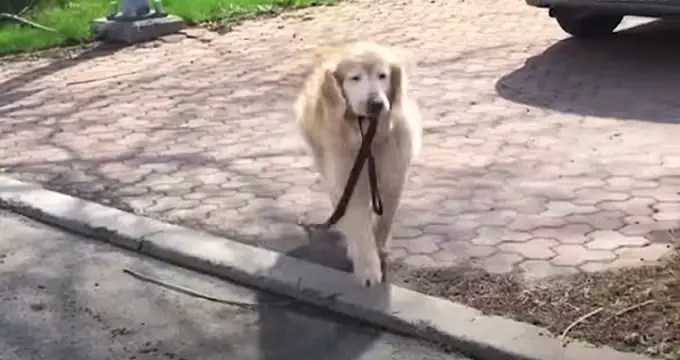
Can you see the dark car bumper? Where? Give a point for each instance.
(654, 8)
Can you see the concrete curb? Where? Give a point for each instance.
(458, 327)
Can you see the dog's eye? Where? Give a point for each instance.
(355, 78)
(382, 76)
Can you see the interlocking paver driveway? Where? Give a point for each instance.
(541, 154)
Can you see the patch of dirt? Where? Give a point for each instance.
(56, 53)
(640, 306)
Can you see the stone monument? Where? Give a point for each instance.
(136, 22)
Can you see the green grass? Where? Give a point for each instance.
(72, 18)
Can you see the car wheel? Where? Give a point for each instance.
(586, 24)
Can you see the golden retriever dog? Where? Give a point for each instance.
(344, 84)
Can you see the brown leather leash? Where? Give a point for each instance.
(364, 155)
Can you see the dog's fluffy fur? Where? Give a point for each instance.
(336, 92)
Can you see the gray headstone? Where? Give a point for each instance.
(136, 31)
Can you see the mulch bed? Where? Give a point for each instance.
(630, 309)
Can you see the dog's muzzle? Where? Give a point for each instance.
(374, 107)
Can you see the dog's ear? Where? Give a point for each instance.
(330, 88)
(397, 84)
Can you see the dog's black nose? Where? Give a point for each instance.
(374, 107)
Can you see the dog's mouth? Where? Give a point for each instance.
(354, 117)
(363, 121)
(363, 118)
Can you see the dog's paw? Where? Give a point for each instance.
(368, 273)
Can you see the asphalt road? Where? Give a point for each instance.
(64, 297)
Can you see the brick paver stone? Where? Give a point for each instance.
(541, 153)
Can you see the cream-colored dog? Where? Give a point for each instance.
(344, 84)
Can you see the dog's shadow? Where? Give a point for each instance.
(324, 247)
(317, 333)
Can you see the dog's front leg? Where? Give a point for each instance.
(382, 229)
(392, 171)
(356, 225)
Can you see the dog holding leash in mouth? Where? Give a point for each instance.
(349, 87)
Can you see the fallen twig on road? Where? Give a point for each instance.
(633, 307)
(200, 295)
(107, 77)
(578, 321)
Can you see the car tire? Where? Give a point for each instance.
(582, 24)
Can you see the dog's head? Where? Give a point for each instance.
(365, 78)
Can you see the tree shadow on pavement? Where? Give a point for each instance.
(631, 75)
(176, 151)
(9, 86)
